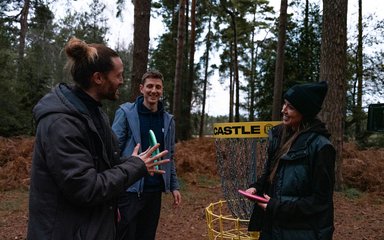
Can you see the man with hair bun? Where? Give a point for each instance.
(77, 173)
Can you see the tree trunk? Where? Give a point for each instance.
(305, 45)
(359, 73)
(235, 66)
(191, 75)
(253, 73)
(236, 71)
(279, 70)
(142, 15)
(231, 85)
(23, 32)
(205, 83)
(179, 69)
(333, 67)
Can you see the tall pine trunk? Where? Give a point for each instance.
(205, 83)
(231, 86)
(279, 70)
(179, 70)
(191, 76)
(252, 87)
(23, 32)
(333, 68)
(142, 15)
(235, 66)
(358, 113)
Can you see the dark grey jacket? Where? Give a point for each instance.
(76, 174)
(301, 205)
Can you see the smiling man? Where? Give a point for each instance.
(140, 205)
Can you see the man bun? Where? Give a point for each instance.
(78, 50)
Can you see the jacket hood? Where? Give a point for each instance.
(59, 100)
(318, 126)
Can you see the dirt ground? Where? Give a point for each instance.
(359, 209)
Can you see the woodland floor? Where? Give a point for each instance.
(359, 209)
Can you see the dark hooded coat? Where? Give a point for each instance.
(76, 174)
(301, 204)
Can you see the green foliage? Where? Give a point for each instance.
(182, 184)
(207, 181)
(163, 58)
(17, 202)
(24, 82)
(370, 139)
(375, 140)
(302, 58)
(352, 193)
(372, 77)
(11, 121)
(88, 26)
(265, 79)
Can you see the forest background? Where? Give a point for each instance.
(261, 53)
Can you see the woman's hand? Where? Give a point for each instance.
(251, 190)
(149, 160)
(264, 205)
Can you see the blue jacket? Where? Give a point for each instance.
(126, 126)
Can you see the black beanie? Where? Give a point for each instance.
(307, 98)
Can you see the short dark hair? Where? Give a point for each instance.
(151, 74)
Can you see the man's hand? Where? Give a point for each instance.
(176, 198)
(150, 161)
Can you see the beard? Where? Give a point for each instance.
(111, 93)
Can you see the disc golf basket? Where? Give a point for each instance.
(241, 150)
(222, 225)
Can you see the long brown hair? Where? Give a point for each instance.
(288, 137)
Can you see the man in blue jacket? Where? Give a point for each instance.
(140, 205)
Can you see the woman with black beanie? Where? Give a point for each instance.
(298, 175)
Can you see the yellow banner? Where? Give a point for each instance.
(243, 129)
